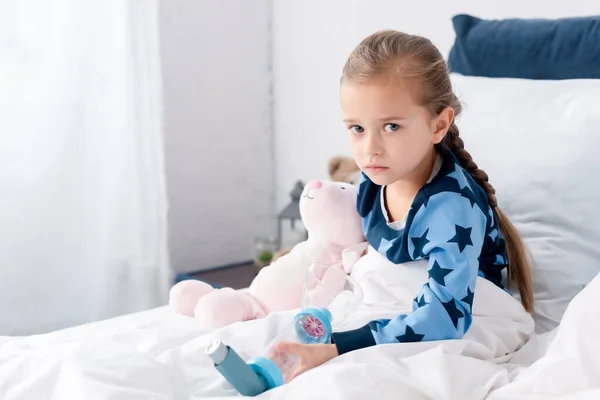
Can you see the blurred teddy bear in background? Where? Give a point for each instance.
(341, 169)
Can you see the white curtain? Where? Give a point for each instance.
(82, 191)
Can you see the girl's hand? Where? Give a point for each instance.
(310, 355)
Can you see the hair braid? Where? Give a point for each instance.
(454, 143)
(518, 270)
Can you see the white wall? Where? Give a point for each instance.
(218, 133)
(312, 38)
(222, 179)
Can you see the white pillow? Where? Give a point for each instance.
(539, 142)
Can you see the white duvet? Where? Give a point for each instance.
(158, 355)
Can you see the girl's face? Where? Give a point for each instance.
(391, 135)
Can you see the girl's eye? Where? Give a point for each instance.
(391, 127)
(357, 129)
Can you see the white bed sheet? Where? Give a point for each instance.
(158, 355)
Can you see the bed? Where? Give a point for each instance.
(159, 355)
(538, 141)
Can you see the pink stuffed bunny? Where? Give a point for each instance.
(335, 238)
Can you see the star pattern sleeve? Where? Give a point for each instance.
(449, 231)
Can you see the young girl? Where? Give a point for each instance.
(421, 195)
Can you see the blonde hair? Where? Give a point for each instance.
(415, 60)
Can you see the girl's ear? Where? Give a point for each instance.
(441, 124)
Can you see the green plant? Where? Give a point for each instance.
(265, 256)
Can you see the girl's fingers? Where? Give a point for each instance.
(293, 374)
(292, 348)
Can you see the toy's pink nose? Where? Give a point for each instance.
(314, 185)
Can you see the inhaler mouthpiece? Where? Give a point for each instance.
(217, 351)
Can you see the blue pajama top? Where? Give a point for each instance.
(452, 226)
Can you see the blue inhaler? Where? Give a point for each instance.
(329, 298)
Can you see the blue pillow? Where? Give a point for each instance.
(566, 48)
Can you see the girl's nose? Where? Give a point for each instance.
(372, 147)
